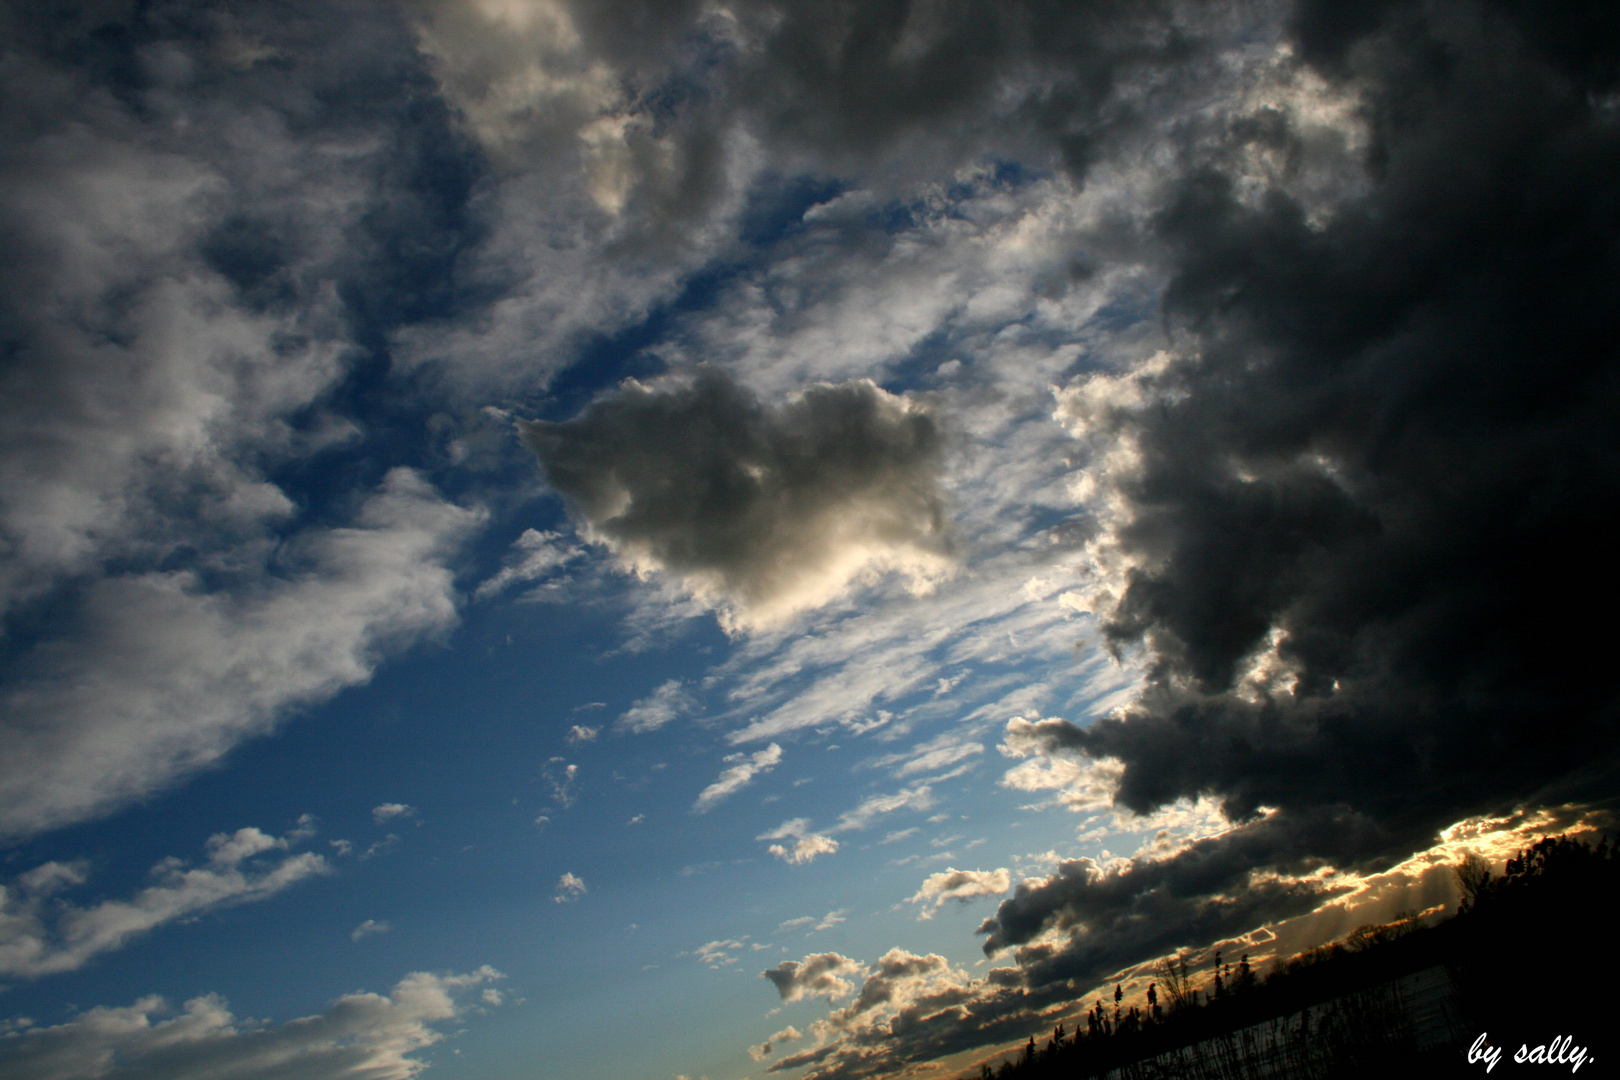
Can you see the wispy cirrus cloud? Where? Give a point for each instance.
(807, 843)
(655, 710)
(43, 933)
(738, 776)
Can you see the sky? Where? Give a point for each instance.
(616, 539)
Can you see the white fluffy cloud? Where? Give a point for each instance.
(941, 752)
(806, 845)
(360, 1034)
(41, 933)
(960, 885)
(919, 797)
(718, 954)
(569, 887)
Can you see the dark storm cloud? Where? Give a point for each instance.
(764, 508)
(846, 81)
(1369, 520)
(1151, 906)
(1390, 444)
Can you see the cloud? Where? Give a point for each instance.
(390, 811)
(1085, 784)
(1347, 525)
(41, 933)
(580, 734)
(1257, 873)
(569, 887)
(763, 1050)
(168, 675)
(820, 975)
(940, 752)
(534, 555)
(763, 510)
(1344, 522)
(358, 1034)
(380, 847)
(563, 777)
(1331, 518)
(656, 709)
(738, 776)
(806, 844)
(905, 998)
(917, 797)
(961, 886)
(832, 919)
(191, 270)
(717, 954)
(370, 928)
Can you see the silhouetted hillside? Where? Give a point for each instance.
(1516, 964)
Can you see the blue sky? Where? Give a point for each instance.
(682, 540)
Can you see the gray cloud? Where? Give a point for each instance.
(762, 509)
(763, 1050)
(1221, 885)
(819, 975)
(166, 676)
(358, 1034)
(852, 85)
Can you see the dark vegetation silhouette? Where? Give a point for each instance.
(1529, 956)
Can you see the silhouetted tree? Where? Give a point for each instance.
(1177, 983)
(1473, 876)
